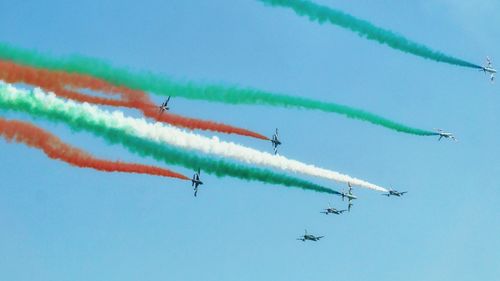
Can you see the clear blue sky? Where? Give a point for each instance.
(62, 223)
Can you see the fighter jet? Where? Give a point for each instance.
(164, 106)
(488, 69)
(275, 141)
(443, 134)
(349, 196)
(309, 237)
(331, 210)
(196, 182)
(394, 193)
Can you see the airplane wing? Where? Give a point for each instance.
(319, 237)
(167, 100)
(440, 137)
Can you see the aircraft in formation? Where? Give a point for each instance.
(393, 192)
(309, 237)
(164, 106)
(488, 69)
(331, 210)
(446, 135)
(350, 196)
(275, 141)
(195, 182)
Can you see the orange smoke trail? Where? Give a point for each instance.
(58, 82)
(54, 148)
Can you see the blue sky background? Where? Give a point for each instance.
(62, 223)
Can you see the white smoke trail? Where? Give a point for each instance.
(163, 133)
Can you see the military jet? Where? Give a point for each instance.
(164, 106)
(446, 135)
(331, 210)
(196, 182)
(275, 141)
(349, 196)
(394, 193)
(309, 237)
(488, 69)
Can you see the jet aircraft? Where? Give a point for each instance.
(164, 106)
(395, 193)
(309, 237)
(196, 182)
(275, 141)
(446, 135)
(331, 210)
(488, 69)
(349, 196)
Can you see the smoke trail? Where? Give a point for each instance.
(176, 137)
(40, 105)
(58, 82)
(213, 93)
(363, 28)
(54, 148)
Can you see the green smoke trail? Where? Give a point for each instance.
(77, 122)
(214, 93)
(363, 28)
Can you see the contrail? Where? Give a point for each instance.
(178, 138)
(54, 148)
(86, 117)
(196, 91)
(324, 14)
(58, 82)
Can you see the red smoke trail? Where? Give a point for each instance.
(13, 73)
(58, 82)
(54, 148)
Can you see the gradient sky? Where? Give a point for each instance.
(63, 223)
